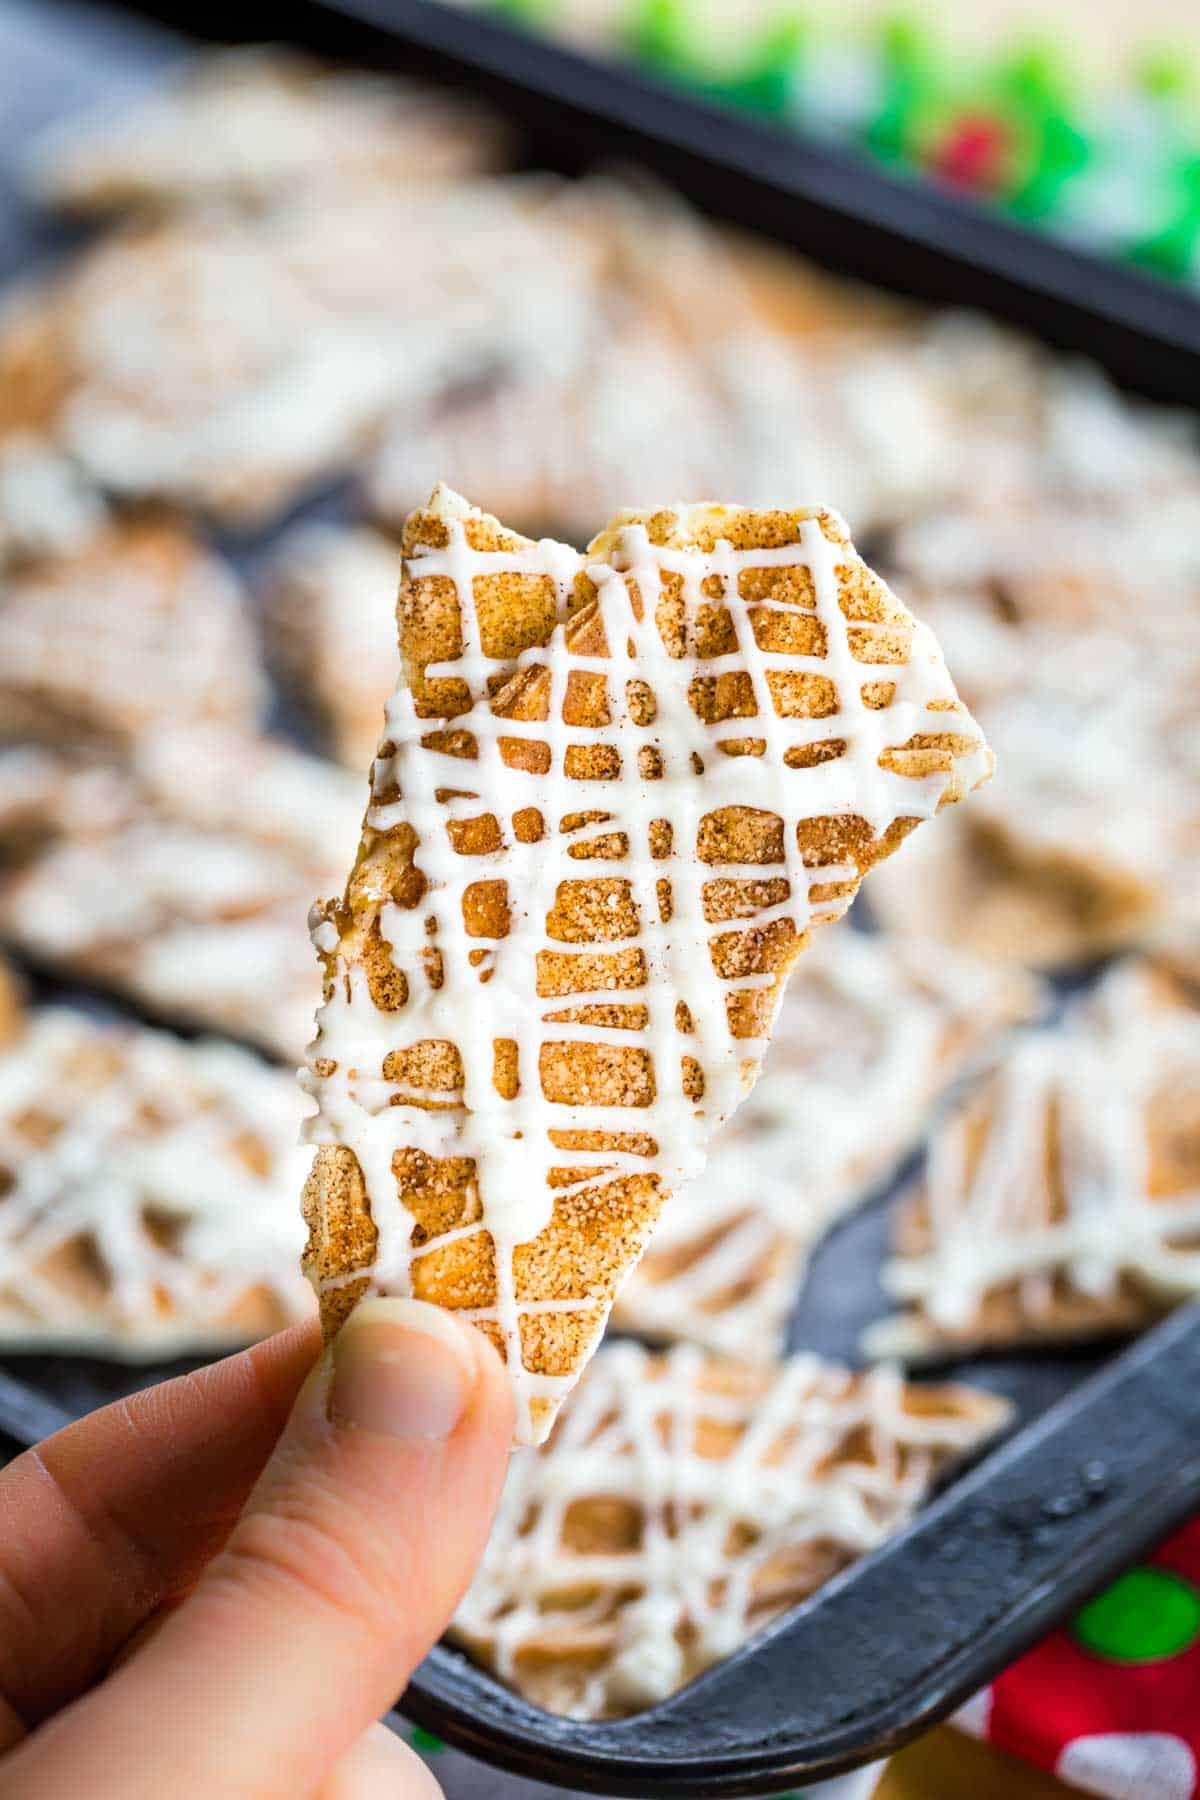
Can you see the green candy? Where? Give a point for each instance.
(1062, 152)
(1031, 91)
(1147, 1615)
(768, 80)
(661, 35)
(904, 42)
(934, 112)
(913, 86)
(1173, 250)
(1034, 79)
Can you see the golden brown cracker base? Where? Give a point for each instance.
(560, 1633)
(105, 1253)
(1049, 1305)
(596, 1234)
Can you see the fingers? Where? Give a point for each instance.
(380, 1767)
(349, 1558)
(107, 1519)
(12, 1726)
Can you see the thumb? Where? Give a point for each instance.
(350, 1556)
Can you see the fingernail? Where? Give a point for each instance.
(401, 1368)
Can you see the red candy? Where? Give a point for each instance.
(974, 155)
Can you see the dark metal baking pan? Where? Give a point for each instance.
(1106, 1456)
(883, 1651)
(894, 1644)
(838, 208)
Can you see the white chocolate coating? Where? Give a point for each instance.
(149, 1201)
(184, 879)
(250, 125)
(331, 628)
(229, 361)
(871, 1032)
(46, 506)
(1062, 1194)
(475, 1004)
(731, 1484)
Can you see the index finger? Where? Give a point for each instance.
(108, 1518)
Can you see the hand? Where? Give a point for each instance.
(188, 1606)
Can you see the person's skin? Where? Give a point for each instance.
(215, 1587)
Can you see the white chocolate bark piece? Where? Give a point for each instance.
(252, 786)
(230, 362)
(141, 626)
(1031, 578)
(872, 1029)
(683, 1502)
(687, 381)
(956, 434)
(1067, 561)
(615, 792)
(149, 1192)
(1092, 841)
(1062, 1199)
(182, 880)
(251, 126)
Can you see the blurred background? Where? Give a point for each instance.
(1081, 122)
(255, 304)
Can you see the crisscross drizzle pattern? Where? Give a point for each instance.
(695, 767)
(684, 1501)
(180, 875)
(1075, 1171)
(872, 1028)
(147, 1190)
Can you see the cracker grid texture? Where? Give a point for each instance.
(148, 1191)
(683, 1502)
(615, 792)
(1063, 1198)
(179, 876)
(871, 1028)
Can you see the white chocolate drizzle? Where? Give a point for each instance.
(474, 1005)
(1063, 1190)
(742, 1492)
(149, 1198)
(226, 360)
(871, 1029)
(182, 877)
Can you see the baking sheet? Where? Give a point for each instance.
(1111, 1461)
